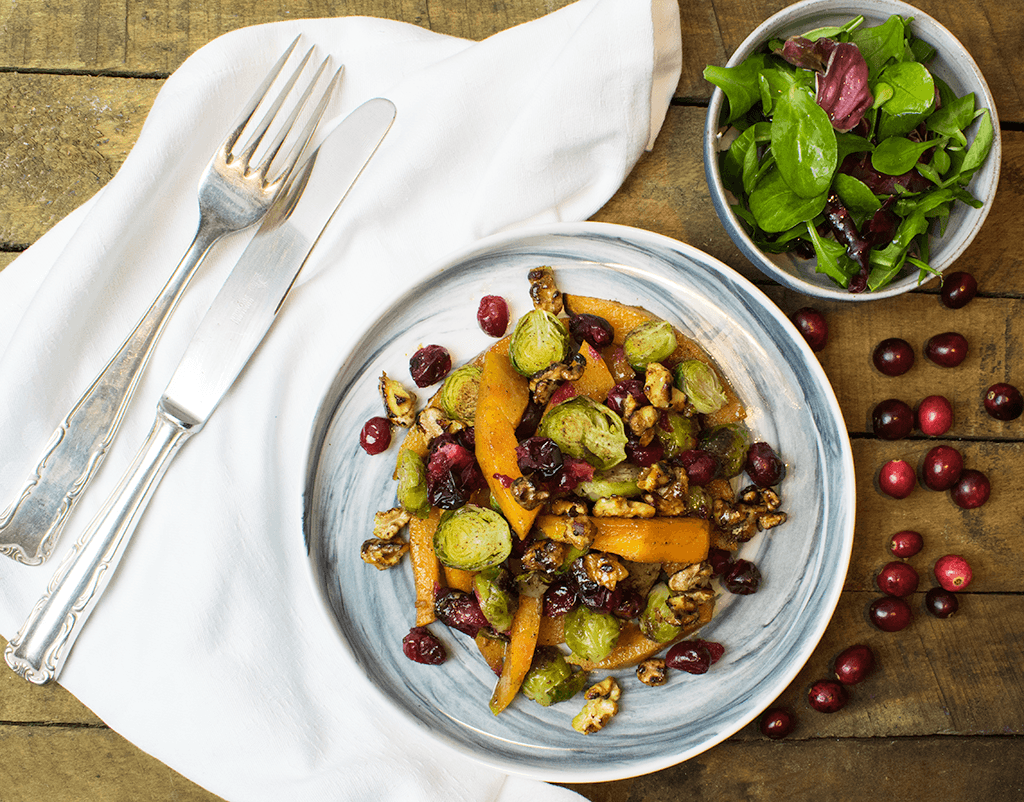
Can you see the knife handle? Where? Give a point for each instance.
(30, 526)
(37, 653)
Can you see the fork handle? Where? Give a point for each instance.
(29, 528)
(37, 653)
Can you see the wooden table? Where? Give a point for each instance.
(942, 717)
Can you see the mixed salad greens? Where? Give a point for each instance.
(848, 148)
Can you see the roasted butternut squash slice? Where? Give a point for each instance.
(644, 540)
(519, 652)
(426, 569)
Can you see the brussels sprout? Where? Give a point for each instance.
(412, 483)
(617, 481)
(459, 393)
(701, 385)
(649, 342)
(586, 430)
(657, 621)
(496, 592)
(539, 339)
(551, 679)
(698, 502)
(728, 443)
(676, 433)
(472, 538)
(591, 634)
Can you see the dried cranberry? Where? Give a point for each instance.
(946, 350)
(715, 649)
(492, 315)
(701, 467)
(644, 456)
(720, 560)
(958, 288)
(422, 646)
(559, 598)
(763, 465)
(591, 329)
(459, 610)
(573, 472)
(375, 436)
(452, 474)
(629, 605)
(827, 696)
(743, 578)
(429, 365)
(777, 723)
(692, 657)
(530, 421)
(616, 397)
(539, 455)
(893, 356)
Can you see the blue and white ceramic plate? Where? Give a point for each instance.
(768, 636)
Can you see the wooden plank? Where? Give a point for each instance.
(69, 764)
(909, 770)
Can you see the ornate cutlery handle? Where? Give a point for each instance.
(37, 653)
(29, 527)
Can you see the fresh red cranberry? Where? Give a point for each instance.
(958, 288)
(853, 664)
(644, 456)
(720, 560)
(897, 478)
(564, 392)
(947, 350)
(692, 657)
(763, 465)
(897, 579)
(941, 603)
(892, 419)
(743, 578)
(934, 415)
(375, 436)
(616, 397)
(452, 473)
(701, 467)
(591, 329)
(890, 614)
(1004, 401)
(777, 722)
(813, 326)
(827, 696)
(715, 649)
(559, 598)
(492, 315)
(942, 467)
(953, 572)
(971, 490)
(629, 605)
(422, 646)
(429, 365)
(459, 610)
(893, 356)
(906, 543)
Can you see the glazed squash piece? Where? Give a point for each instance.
(519, 652)
(426, 569)
(644, 540)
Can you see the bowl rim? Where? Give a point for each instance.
(788, 17)
(839, 569)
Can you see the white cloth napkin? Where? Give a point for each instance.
(210, 649)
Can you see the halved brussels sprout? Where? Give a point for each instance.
(459, 393)
(617, 481)
(728, 443)
(496, 593)
(591, 634)
(653, 341)
(412, 483)
(586, 430)
(658, 622)
(472, 538)
(676, 432)
(538, 340)
(551, 679)
(701, 385)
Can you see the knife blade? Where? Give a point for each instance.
(232, 329)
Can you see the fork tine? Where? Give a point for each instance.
(257, 98)
(308, 128)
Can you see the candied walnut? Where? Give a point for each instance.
(620, 507)
(604, 569)
(567, 506)
(388, 523)
(686, 606)
(652, 672)
(692, 576)
(720, 489)
(544, 383)
(546, 556)
(543, 291)
(641, 422)
(528, 495)
(661, 390)
(432, 422)
(383, 554)
(600, 706)
(579, 532)
(655, 477)
(399, 402)
(770, 520)
(754, 510)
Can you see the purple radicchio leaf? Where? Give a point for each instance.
(843, 227)
(859, 166)
(808, 55)
(842, 77)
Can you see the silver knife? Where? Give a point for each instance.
(234, 326)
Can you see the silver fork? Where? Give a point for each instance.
(234, 193)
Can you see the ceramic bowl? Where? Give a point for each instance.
(768, 636)
(953, 64)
